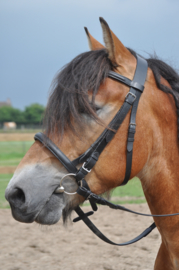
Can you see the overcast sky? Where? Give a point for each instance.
(38, 37)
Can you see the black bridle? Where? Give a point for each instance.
(90, 157)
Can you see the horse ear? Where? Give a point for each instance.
(117, 51)
(93, 43)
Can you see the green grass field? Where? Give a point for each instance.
(12, 152)
(132, 192)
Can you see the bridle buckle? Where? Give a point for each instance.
(130, 93)
(132, 124)
(83, 166)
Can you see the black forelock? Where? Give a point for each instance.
(69, 93)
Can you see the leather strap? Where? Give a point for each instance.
(140, 77)
(86, 193)
(95, 230)
(56, 152)
(120, 78)
(107, 135)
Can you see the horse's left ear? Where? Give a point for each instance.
(92, 42)
(118, 53)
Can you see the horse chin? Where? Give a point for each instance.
(52, 210)
(58, 205)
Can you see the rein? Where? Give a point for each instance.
(90, 157)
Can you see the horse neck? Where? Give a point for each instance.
(160, 175)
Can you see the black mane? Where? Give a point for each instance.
(161, 69)
(69, 94)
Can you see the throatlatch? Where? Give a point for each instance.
(90, 157)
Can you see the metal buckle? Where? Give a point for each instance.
(132, 124)
(83, 167)
(129, 93)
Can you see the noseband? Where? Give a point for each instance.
(90, 157)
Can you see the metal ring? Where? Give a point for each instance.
(68, 193)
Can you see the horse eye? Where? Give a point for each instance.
(97, 108)
(81, 110)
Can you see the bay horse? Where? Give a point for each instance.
(82, 103)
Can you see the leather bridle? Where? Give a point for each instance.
(90, 157)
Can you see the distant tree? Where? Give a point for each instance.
(9, 114)
(33, 114)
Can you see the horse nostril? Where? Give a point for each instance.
(17, 197)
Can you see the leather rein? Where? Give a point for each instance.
(90, 157)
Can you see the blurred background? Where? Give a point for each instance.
(38, 37)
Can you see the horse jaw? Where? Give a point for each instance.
(31, 194)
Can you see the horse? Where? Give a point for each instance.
(82, 103)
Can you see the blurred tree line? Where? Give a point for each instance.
(32, 114)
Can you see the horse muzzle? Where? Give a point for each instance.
(34, 198)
